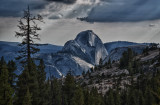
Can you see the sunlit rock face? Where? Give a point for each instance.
(78, 55)
(88, 46)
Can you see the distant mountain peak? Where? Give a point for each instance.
(87, 46)
(88, 38)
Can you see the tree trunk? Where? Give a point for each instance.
(28, 40)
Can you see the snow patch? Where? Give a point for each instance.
(82, 63)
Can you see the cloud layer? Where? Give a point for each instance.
(125, 10)
(95, 10)
(14, 8)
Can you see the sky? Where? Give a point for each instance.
(111, 20)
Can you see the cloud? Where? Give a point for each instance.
(125, 10)
(14, 8)
(105, 10)
(64, 1)
(58, 10)
(94, 10)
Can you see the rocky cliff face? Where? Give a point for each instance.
(87, 46)
(79, 54)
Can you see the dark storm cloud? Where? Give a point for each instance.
(15, 7)
(126, 10)
(64, 1)
(105, 11)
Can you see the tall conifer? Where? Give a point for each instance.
(6, 92)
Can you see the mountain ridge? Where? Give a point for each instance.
(78, 55)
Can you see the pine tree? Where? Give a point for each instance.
(141, 98)
(126, 59)
(117, 98)
(146, 50)
(33, 83)
(41, 75)
(22, 84)
(159, 58)
(78, 96)
(132, 99)
(124, 97)
(86, 96)
(28, 79)
(69, 89)
(2, 62)
(48, 94)
(27, 98)
(149, 99)
(28, 31)
(83, 73)
(12, 75)
(6, 91)
(95, 98)
(100, 62)
(92, 70)
(109, 63)
(130, 69)
(110, 99)
(56, 98)
(130, 54)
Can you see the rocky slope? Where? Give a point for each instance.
(77, 55)
(104, 78)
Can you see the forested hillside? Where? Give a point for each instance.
(133, 80)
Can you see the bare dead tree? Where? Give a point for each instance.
(28, 31)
